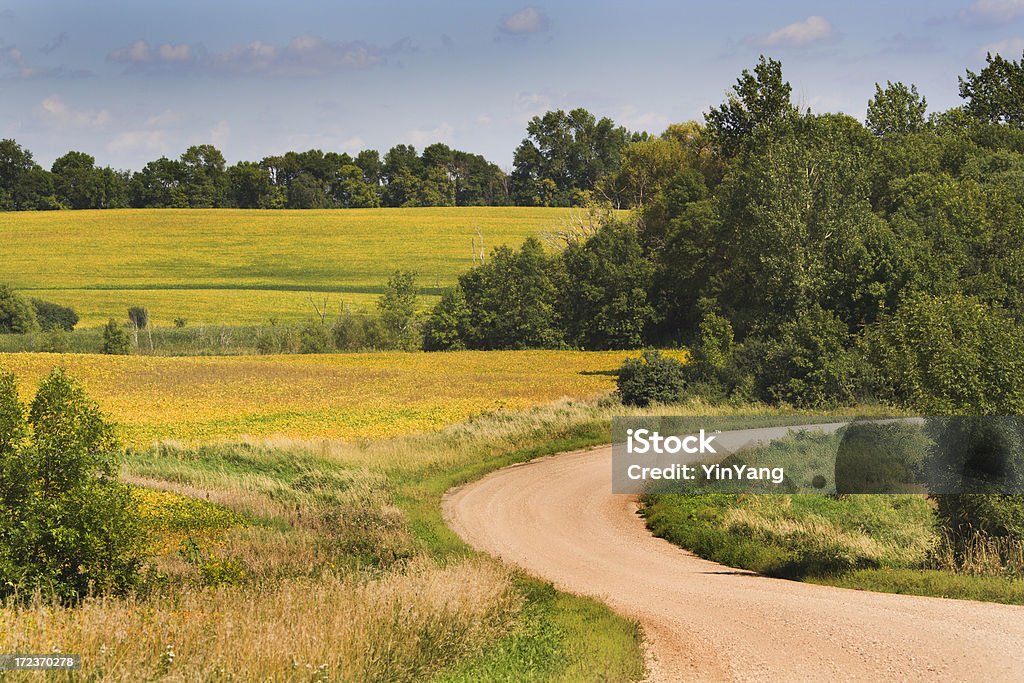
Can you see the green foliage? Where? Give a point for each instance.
(896, 110)
(807, 363)
(604, 301)
(653, 378)
(67, 526)
(948, 355)
(996, 93)
(16, 314)
(446, 329)
(115, 338)
(878, 457)
(138, 316)
(758, 100)
(983, 458)
(54, 316)
(315, 337)
(398, 311)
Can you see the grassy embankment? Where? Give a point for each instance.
(308, 557)
(885, 543)
(227, 267)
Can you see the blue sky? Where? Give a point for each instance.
(130, 81)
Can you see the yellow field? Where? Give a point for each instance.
(224, 266)
(196, 399)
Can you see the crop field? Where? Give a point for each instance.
(346, 396)
(225, 266)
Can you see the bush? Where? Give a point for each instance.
(315, 337)
(139, 317)
(651, 378)
(947, 356)
(67, 526)
(180, 322)
(16, 314)
(807, 362)
(56, 340)
(53, 316)
(115, 339)
(446, 328)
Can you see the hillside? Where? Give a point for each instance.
(224, 266)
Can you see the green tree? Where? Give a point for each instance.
(604, 301)
(447, 327)
(16, 313)
(398, 310)
(758, 100)
(996, 93)
(115, 339)
(896, 110)
(653, 378)
(78, 183)
(67, 526)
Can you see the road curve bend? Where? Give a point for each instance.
(557, 519)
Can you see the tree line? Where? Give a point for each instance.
(803, 258)
(565, 158)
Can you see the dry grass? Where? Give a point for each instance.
(401, 627)
(981, 555)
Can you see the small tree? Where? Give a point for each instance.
(398, 310)
(67, 526)
(115, 339)
(16, 314)
(54, 316)
(139, 317)
(651, 378)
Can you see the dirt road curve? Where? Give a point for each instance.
(557, 518)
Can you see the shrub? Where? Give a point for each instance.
(948, 355)
(446, 328)
(56, 340)
(67, 526)
(180, 322)
(53, 316)
(16, 314)
(398, 311)
(115, 339)
(315, 337)
(983, 457)
(651, 378)
(139, 317)
(807, 363)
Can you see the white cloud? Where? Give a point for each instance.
(305, 55)
(420, 137)
(12, 57)
(149, 141)
(524, 22)
(636, 120)
(991, 12)
(1011, 48)
(167, 117)
(810, 31)
(57, 112)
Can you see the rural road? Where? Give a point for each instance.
(557, 519)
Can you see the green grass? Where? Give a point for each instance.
(885, 543)
(227, 266)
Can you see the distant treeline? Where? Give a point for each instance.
(804, 258)
(567, 157)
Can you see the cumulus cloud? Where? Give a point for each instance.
(58, 113)
(305, 55)
(421, 137)
(810, 31)
(523, 22)
(150, 141)
(1010, 48)
(983, 13)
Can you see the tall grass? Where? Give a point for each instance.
(400, 627)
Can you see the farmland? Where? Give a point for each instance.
(194, 399)
(240, 267)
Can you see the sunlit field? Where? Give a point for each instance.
(225, 266)
(196, 399)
